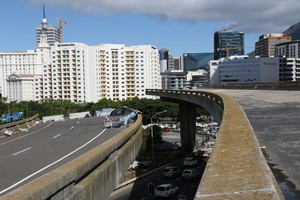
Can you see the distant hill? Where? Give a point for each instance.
(293, 31)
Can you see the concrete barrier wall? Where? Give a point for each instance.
(93, 175)
(17, 126)
(237, 168)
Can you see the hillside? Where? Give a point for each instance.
(294, 31)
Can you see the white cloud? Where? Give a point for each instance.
(254, 15)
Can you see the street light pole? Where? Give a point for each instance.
(152, 133)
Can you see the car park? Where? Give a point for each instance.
(165, 190)
(190, 161)
(171, 172)
(190, 174)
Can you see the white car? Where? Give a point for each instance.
(165, 190)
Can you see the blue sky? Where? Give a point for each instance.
(180, 26)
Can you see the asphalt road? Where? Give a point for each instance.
(138, 190)
(275, 116)
(28, 155)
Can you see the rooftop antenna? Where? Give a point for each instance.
(44, 14)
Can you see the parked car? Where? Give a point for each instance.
(171, 172)
(190, 161)
(165, 190)
(190, 174)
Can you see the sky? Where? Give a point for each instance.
(182, 26)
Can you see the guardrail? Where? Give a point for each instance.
(286, 85)
(93, 175)
(16, 126)
(236, 168)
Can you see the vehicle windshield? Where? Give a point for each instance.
(160, 188)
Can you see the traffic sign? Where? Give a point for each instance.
(8, 117)
(4, 118)
(21, 115)
(15, 116)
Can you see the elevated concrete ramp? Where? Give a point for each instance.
(237, 168)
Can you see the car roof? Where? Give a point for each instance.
(164, 185)
(190, 158)
(170, 167)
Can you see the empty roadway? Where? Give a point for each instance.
(26, 155)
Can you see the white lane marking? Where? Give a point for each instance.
(21, 151)
(35, 173)
(56, 136)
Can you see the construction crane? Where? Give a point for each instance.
(228, 49)
(230, 26)
(60, 22)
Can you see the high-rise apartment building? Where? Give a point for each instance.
(266, 44)
(126, 72)
(228, 43)
(82, 73)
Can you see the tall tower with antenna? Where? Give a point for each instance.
(51, 32)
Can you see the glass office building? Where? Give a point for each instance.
(195, 61)
(228, 43)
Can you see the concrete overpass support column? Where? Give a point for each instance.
(187, 114)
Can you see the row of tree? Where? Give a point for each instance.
(147, 107)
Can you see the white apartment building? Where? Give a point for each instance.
(82, 73)
(126, 72)
(64, 77)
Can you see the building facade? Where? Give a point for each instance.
(173, 79)
(291, 51)
(196, 61)
(228, 43)
(23, 87)
(178, 63)
(267, 42)
(28, 62)
(166, 60)
(244, 70)
(82, 73)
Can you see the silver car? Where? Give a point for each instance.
(171, 172)
(165, 190)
